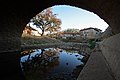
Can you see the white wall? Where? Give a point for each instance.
(35, 33)
(90, 34)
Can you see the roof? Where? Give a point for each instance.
(91, 28)
(30, 28)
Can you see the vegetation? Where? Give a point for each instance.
(92, 43)
(47, 21)
(73, 30)
(70, 39)
(34, 40)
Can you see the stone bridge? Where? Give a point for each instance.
(16, 14)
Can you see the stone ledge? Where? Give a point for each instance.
(96, 69)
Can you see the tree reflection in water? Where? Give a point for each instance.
(41, 65)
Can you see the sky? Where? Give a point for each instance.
(73, 17)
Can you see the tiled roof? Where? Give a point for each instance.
(91, 28)
(30, 28)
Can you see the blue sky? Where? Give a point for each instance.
(73, 17)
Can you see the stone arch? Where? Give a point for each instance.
(16, 15)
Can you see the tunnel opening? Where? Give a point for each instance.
(32, 39)
(32, 29)
(18, 16)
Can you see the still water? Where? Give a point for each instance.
(51, 64)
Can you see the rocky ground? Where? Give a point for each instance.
(34, 40)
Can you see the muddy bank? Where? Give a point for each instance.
(55, 45)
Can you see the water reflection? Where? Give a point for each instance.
(51, 64)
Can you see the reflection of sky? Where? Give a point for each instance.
(37, 51)
(67, 60)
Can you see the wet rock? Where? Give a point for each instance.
(76, 55)
(66, 63)
(78, 58)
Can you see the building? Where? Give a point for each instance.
(30, 31)
(90, 33)
(69, 35)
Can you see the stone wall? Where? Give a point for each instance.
(11, 28)
(16, 14)
(111, 50)
(107, 33)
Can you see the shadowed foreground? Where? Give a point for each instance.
(10, 67)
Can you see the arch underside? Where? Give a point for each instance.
(16, 14)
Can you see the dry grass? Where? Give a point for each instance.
(34, 40)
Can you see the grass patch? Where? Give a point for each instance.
(34, 40)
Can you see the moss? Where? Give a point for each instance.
(92, 43)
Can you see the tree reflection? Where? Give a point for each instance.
(41, 64)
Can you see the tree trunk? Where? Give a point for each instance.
(42, 33)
